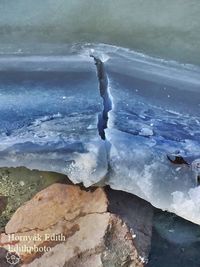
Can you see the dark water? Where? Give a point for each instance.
(175, 242)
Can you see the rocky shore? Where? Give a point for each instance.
(60, 224)
(66, 225)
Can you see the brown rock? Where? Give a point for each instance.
(120, 248)
(103, 240)
(27, 243)
(56, 212)
(88, 240)
(56, 202)
(67, 226)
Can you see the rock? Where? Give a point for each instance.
(67, 226)
(120, 246)
(137, 214)
(85, 242)
(102, 240)
(56, 202)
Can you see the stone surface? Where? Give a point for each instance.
(137, 214)
(120, 246)
(56, 202)
(67, 226)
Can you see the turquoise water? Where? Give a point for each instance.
(167, 29)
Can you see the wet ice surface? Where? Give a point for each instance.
(49, 117)
(156, 107)
(49, 109)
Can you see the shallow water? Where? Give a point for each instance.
(175, 242)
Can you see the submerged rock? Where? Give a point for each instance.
(66, 225)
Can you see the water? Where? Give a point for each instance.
(165, 29)
(175, 242)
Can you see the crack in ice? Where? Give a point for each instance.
(104, 92)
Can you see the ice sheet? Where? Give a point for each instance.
(156, 107)
(49, 109)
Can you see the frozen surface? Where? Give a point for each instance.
(156, 107)
(49, 109)
(140, 167)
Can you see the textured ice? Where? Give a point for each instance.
(187, 204)
(89, 167)
(156, 107)
(49, 109)
(140, 167)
